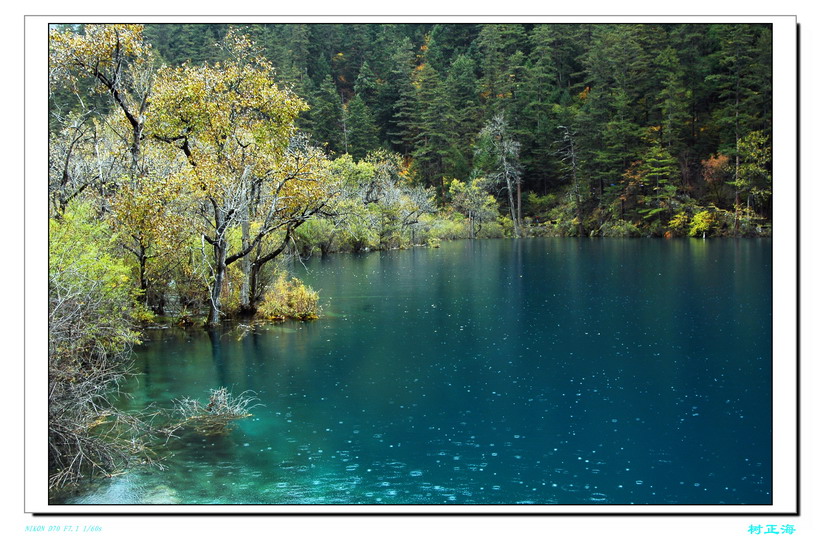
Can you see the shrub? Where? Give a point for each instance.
(620, 228)
(444, 228)
(315, 234)
(360, 236)
(537, 206)
(491, 229)
(91, 316)
(289, 298)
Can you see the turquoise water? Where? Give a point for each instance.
(546, 371)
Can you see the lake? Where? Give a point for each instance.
(536, 371)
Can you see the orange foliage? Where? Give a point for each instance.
(716, 168)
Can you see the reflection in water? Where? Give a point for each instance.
(530, 371)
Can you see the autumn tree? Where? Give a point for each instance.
(305, 188)
(150, 217)
(70, 168)
(716, 171)
(118, 60)
(235, 126)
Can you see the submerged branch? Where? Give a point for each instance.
(216, 417)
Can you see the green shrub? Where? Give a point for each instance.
(444, 228)
(316, 234)
(289, 298)
(359, 236)
(537, 206)
(506, 225)
(620, 228)
(491, 229)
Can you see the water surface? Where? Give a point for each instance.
(546, 371)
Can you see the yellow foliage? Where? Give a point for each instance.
(100, 50)
(289, 298)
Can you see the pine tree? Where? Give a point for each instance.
(459, 117)
(362, 134)
(325, 118)
(426, 126)
(503, 47)
(539, 92)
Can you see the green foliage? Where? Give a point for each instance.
(92, 295)
(754, 178)
(537, 206)
(316, 234)
(360, 235)
(362, 134)
(473, 200)
(620, 229)
(701, 223)
(289, 298)
(447, 228)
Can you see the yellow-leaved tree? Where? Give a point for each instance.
(119, 62)
(247, 168)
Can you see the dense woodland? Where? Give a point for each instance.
(185, 160)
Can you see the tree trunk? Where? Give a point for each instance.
(245, 263)
(737, 189)
(254, 297)
(143, 260)
(518, 190)
(220, 244)
(511, 195)
(220, 249)
(135, 150)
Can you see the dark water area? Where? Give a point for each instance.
(546, 371)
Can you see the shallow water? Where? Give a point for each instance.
(546, 371)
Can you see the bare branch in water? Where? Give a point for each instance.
(217, 416)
